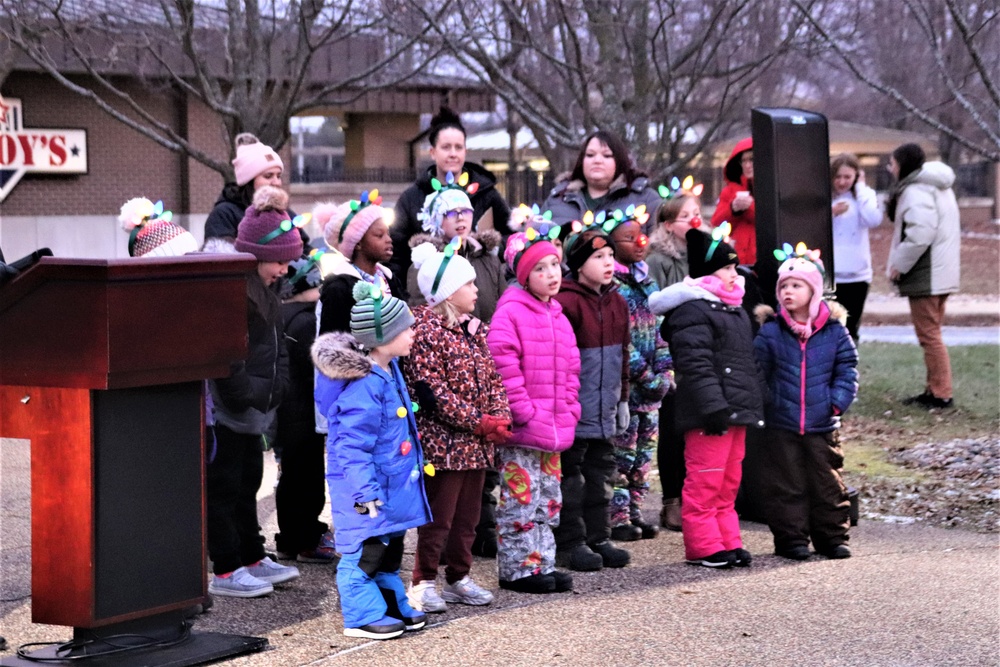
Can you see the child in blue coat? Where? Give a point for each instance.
(810, 363)
(374, 462)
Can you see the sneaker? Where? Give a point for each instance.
(580, 558)
(267, 570)
(741, 557)
(239, 584)
(318, 555)
(611, 555)
(626, 533)
(718, 560)
(424, 597)
(647, 530)
(800, 552)
(328, 540)
(837, 552)
(929, 401)
(384, 628)
(466, 591)
(533, 583)
(670, 515)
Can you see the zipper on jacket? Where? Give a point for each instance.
(802, 388)
(600, 387)
(555, 359)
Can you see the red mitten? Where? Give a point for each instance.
(501, 434)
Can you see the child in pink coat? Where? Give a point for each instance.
(534, 348)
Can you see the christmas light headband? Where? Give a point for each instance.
(719, 234)
(137, 213)
(534, 224)
(313, 258)
(678, 188)
(285, 226)
(449, 251)
(367, 199)
(801, 252)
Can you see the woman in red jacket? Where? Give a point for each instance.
(736, 203)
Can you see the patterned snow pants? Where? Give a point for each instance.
(530, 500)
(634, 451)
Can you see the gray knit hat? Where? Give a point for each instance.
(377, 318)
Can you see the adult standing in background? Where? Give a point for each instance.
(736, 203)
(925, 258)
(855, 211)
(604, 178)
(489, 210)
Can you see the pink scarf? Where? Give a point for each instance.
(714, 285)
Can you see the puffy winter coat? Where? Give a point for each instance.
(567, 203)
(458, 368)
(744, 223)
(807, 379)
(667, 261)
(711, 344)
(926, 236)
(649, 357)
(296, 414)
(372, 450)
(600, 322)
(246, 401)
(224, 218)
(534, 348)
(852, 254)
(481, 251)
(486, 198)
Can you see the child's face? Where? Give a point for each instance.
(559, 246)
(690, 211)
(464, 298)
(728, 276)
(376, 244)
(545, 278)
(269, 272)
(398, 346)
(631, 245)
(795, 295)
(456, 223)
(599, 269)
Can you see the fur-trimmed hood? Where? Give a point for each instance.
(336, 355)
(764, 313)
(486, 241)
(663, 242)
(665, 300)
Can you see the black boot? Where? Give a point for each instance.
(564, 581)
(535, 583)
(611, 555)
(580, 558)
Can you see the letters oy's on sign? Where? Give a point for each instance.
(36, 150)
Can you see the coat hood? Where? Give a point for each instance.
(936, 174)
(733, 171)
(337, 356)
(764, 313)
(665, 300)
(478, 243)
(665, 243)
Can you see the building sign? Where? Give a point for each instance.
(36, 150)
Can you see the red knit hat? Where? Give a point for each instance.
(266, 232)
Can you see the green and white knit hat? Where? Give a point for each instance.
(377, 318)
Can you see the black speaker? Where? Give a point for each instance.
(792, 188)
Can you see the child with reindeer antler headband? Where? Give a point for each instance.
(718, 394)
(810, 364)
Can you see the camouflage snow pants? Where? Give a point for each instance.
(530, 500)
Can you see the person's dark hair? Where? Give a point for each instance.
(444, 119)
(909, 157)
(261, 301)
(239, 194)
(623, 163)
(846, 160)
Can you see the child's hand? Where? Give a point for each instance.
(622, 417)
(717, 423)
(370, 507)
(501, 434)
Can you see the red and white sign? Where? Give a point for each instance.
(36, 150)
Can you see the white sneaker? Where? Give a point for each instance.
(425, 598)
(267, 570)
(466, 591)
(239, 584)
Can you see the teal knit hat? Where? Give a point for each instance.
(377, 318)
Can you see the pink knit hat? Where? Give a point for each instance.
(805, 265)
(253, 158)
(522, 254)
(261, 231)
(152, 234)
(344, 225)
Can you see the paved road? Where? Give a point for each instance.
(952, 335)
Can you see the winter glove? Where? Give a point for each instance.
(425, 397)
(622, 417)
(501, 434)
(489, 426)
(370, 507)
(717, 423)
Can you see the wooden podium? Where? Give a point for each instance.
(101, 367)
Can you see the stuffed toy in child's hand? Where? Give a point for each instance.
(370, 507)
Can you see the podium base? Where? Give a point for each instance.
(197, 649)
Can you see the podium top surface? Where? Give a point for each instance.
(104, 324)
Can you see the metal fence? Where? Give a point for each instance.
(369, 175)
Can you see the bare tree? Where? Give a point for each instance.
(938, 61)
(668, 75)
(255, 64)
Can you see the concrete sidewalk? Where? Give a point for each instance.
(912, 595)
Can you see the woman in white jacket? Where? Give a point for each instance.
(855, 211)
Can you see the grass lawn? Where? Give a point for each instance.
(878, 424)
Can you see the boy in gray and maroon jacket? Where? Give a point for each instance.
(600, 319)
